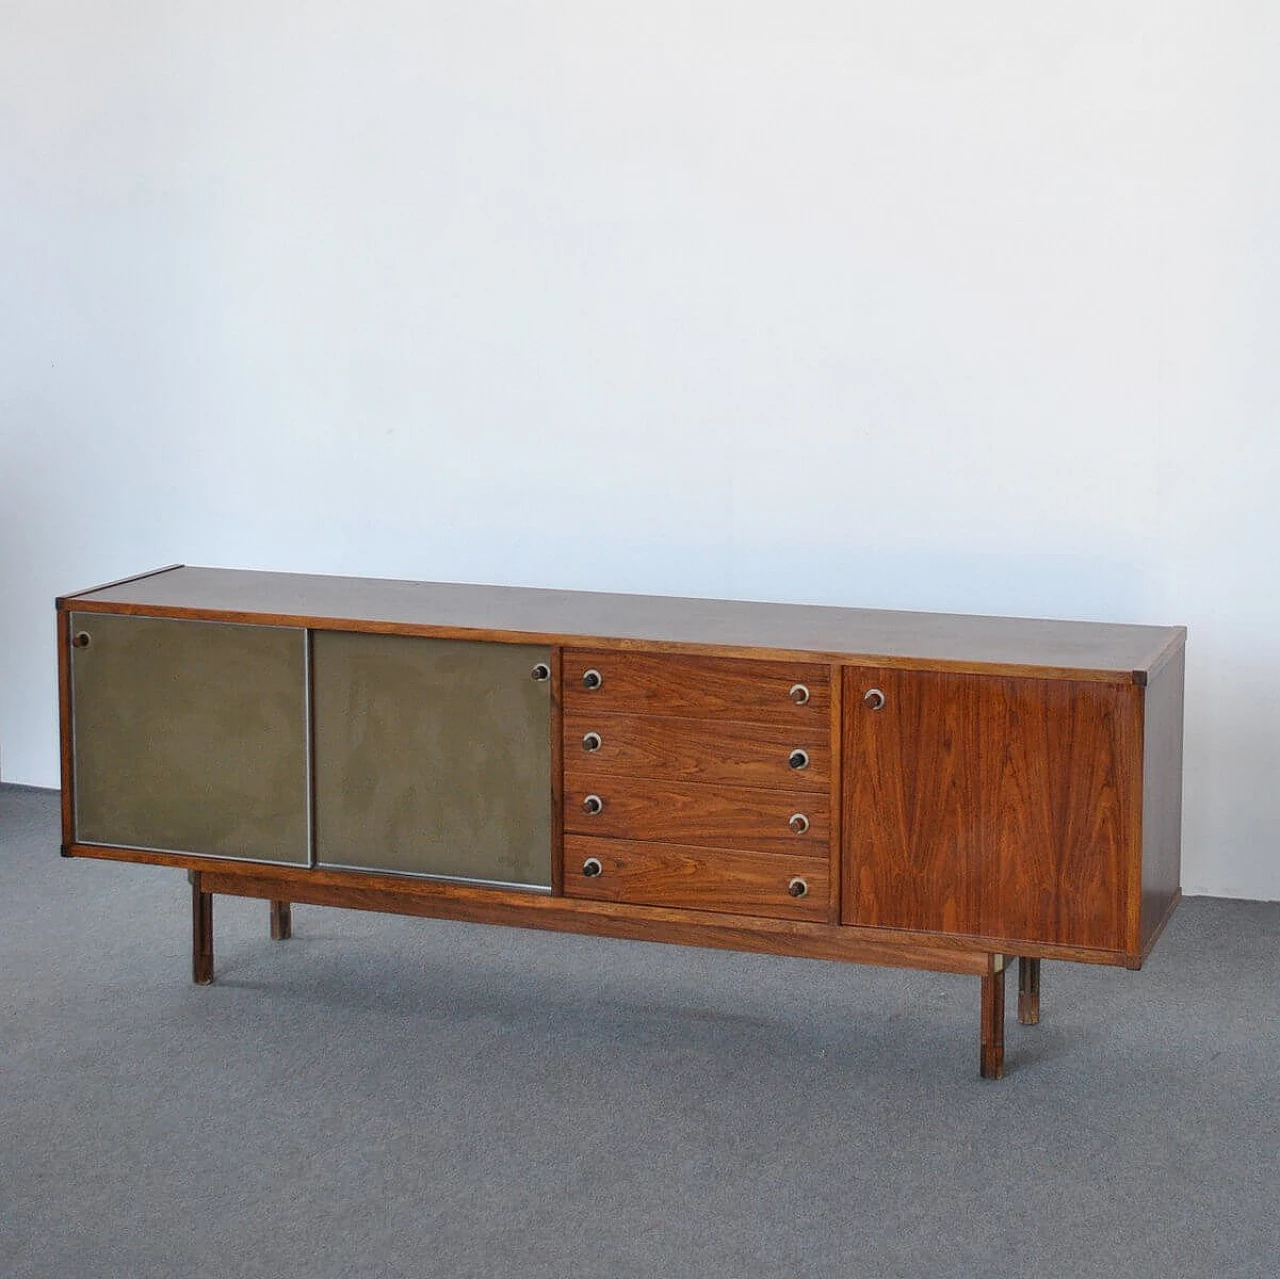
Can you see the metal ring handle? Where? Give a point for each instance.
(798, 888)
(593, 804)
(591, 742)
(591, 867)
(540, 673)
(80, 639)
(798, 693)
(798, 759)
(799, 823)
(592, 679)
(873, 699)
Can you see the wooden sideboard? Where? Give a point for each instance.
(908, 789)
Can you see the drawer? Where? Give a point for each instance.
(700, 750)
(715, 687)
(687, 813)
(741, 883)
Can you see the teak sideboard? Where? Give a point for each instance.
(909, 789)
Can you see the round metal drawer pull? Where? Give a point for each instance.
(798, 888)
(80, 639)
(591, 742)
(592, 804)
(591, 868)
(799, 823)
(798, 694)
(592, 678)
(540, 673)
(873, 699)
(798, 759)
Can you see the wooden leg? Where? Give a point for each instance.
(1029, 991)
(993, 1025)
(201, 932)
(281, 921)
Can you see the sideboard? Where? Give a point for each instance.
(908, 789)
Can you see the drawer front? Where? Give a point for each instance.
(686, 813)
(741, 883)
(721, 752)
(720, 687)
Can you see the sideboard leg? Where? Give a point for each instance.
(1028, 991)
(993, 1025)
(281, 921)
(201, 932)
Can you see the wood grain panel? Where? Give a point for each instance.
(718, 687)
(686, 813)
(1081, 650)
(742, 883)
(909, 859)
(700, 750)
(990, 806)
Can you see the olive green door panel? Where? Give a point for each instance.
(432, 757)
(190, 737)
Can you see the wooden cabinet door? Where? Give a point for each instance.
(433, 757)
(991, 806)
(190, 737)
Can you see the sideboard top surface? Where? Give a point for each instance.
(1050, 649)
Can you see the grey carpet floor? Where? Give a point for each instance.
(393, 1097)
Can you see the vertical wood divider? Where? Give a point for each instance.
(557, 771)
(836, 848)
(309, 744)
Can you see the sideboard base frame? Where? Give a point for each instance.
(886, 941)
(689, 928)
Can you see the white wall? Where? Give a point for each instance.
(961, 307)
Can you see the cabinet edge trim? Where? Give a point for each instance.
(553, 639)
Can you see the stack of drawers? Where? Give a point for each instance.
(698, 782)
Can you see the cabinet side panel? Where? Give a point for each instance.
(1161, 796)
(65, 738)
(433, 757)
(190, 737)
